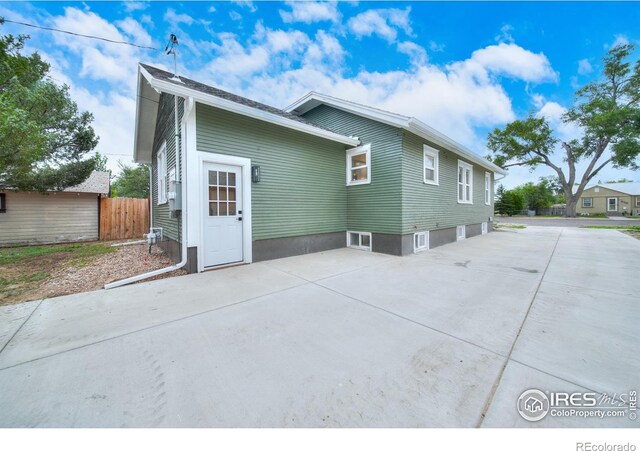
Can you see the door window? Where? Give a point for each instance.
(222, 193)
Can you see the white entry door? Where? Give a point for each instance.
(223, 224)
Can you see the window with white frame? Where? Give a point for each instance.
(484, 228)
(359, 165)
(638, 201)
(612, 204)
(431, 165)
(465, 183)
(359, 240)
(587, 202)
(487, 188)
(461, 232)
(420, 241)
(161, 167)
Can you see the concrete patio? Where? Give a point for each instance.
(448, 337)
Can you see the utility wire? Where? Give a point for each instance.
(77, 34)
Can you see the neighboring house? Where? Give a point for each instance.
(55, 216)
(612, 199)
(261, 183)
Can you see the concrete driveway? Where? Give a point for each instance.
(449, 337)
(617, 221)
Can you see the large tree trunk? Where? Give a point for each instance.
(572, 204)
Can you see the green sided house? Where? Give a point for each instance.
(235, 180)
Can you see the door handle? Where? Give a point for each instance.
(239, 218)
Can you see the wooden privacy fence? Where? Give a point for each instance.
(123, 218)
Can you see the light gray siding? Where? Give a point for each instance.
(165, 132)
(302, 188)
(34, 218)
(376, 207)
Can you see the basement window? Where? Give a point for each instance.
(3, 202)
(420, 241)
(461, 232)
(485, 228)
(359, 240)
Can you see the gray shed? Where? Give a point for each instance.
(53, 217)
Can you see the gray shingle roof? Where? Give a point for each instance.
(98, 182)
(196, 85)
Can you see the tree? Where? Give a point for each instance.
(43, 136)
(607, 112)
(508, 202)
(536, 196)
(133, 181)
(101, 163)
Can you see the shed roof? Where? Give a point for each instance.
(98, 182)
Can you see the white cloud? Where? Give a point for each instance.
(417, 54)
(235, 15)
(177, 18)
(133, 29)
(130, 6)
(505, 34)
(246, 4)
(514, 61)
(553, 112)
(435, 47)
(384, 23)
(620, 39)
(310, 12)
(584, 67)
(212, 9)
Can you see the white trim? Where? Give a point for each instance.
(435, 153)
(245, 164)
(487, 188)
(359, 245)
(245, 110)
(314, 99)
(461, 232)
(416, 240)
(161, 174)
(590, 202)
(466, 167)
(484, 227)
(366, 150)
(608, 207)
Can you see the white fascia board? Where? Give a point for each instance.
(211, 100)
(146, 110)
(313, 98)
(423, 130)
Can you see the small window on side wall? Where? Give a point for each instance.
(359, 165)
(465, 183)
(431, 165)
(161, 168)
(487, 188)
(587, 202)
(3, 202)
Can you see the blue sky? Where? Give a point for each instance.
(462, 67)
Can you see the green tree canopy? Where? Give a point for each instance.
(43, 136)
(133, 181)
(608, 113)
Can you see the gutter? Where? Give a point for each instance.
(183, 214)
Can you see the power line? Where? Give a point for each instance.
(78, 34)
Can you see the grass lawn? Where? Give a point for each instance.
(615, 227)
(23, 269)
(509, 226)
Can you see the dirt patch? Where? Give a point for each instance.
(633, 233)
(61, 273)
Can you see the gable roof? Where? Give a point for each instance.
(98, 182)
(153, 81)
(630, 188)
(411, 124)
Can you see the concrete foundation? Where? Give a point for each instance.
(297, 245)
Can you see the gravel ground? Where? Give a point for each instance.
(126, 262)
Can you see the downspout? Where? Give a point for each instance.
(183, 215)
(151, 196)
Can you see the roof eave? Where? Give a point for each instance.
(147, 110)
(227, 105)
